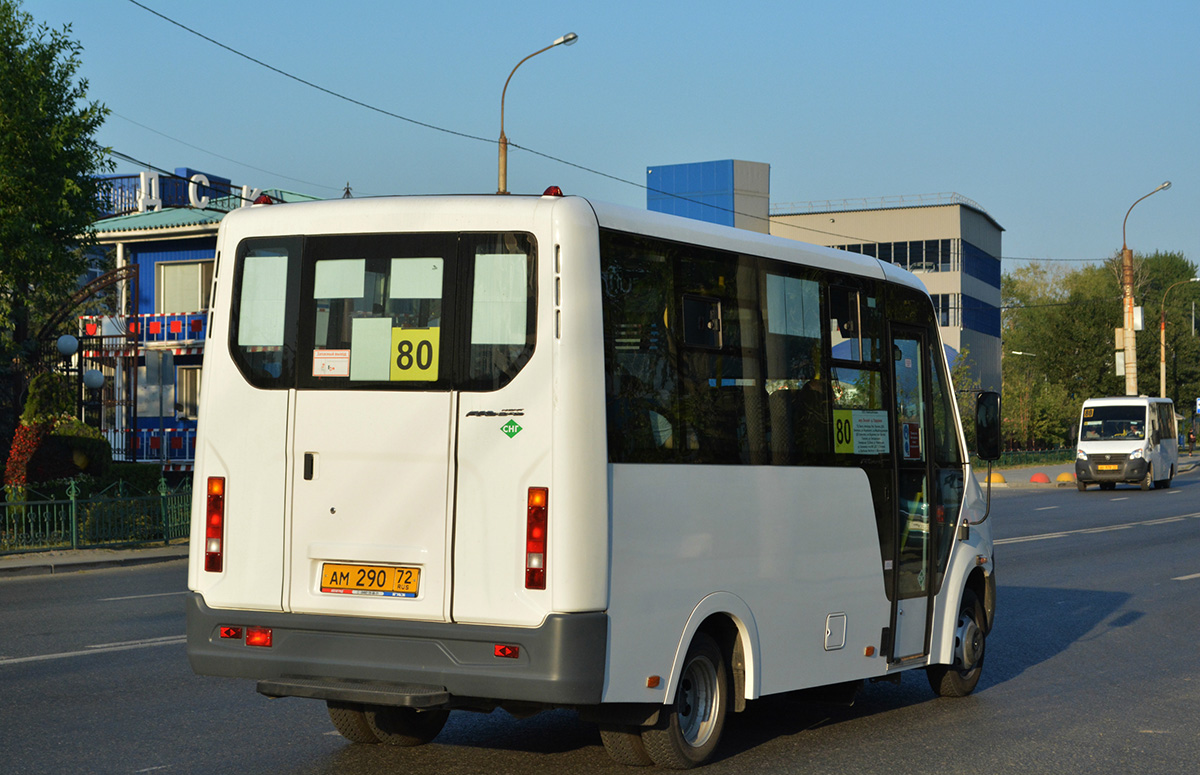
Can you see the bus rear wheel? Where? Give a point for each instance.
(404, 726)
(350, 721)
(970, 640)
(692, 725)
(624, 745)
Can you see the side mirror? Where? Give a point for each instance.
(987, 425)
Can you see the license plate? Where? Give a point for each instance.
(378, 580)
(1108, 468)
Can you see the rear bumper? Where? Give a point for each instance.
(420, 664)
(1126, 470)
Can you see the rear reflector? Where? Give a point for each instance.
(214, 525)
(535, 538)
(258, 636)
(233, 633)
(506, 651)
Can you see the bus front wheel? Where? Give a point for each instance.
(970, 640)
(690, 728)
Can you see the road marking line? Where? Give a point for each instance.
(1114, 500)
(142, 642)
(100, 649)
(1046, 508)
(139, 597)
(1023, 539)
(1187, 578)
(1087, 530)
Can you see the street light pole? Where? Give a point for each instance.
(565, 40)
(1162, 337)
(1131, 386)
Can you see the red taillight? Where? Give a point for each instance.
(535, 538)
(258, 636)
(214, 525)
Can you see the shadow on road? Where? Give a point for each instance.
(1036, 624)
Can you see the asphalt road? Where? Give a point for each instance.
(1092, 667)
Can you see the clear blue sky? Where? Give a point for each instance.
(1054, 116)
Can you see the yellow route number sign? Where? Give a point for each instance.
(415, 354)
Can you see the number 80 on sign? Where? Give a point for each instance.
(415, 354)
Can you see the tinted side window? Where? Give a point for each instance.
(503, 308)
(261, 340)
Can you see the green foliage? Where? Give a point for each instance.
(49, 185)
(49, 398)
(1062, 321)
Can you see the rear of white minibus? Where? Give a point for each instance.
(385, 518)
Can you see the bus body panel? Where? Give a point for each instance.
(240, 429)
(796, 544)
(375, 495)
(580, 558)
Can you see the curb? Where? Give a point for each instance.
(51, 567)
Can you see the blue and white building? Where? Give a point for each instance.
(165, 226)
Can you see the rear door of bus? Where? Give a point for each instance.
(371, 461)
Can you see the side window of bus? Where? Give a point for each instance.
(260, 339)
(503, 308)
(640, 374)
(797, 386)
(860, 416)
(855, 325)
(721, 392)
(945, 431)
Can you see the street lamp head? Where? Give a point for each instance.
(1166, 184)
(570, 38)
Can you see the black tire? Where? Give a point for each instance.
(690, 728)
(1080, 484)
(970, 641)
(404, 726)
(350, 722)
(1148, 479)
(624, 745)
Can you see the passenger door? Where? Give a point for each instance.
(913, 578)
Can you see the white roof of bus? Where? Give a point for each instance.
(1120, 400)
(678, 228)
(355, 215)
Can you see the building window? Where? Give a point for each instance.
(183, 286)
(187, 392)
(948, 309)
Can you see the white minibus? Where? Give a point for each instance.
(537, 452)
(1130, 439)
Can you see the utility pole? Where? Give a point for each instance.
(1131, 384)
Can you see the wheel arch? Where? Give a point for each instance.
(729, 621)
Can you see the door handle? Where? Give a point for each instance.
(308, 466)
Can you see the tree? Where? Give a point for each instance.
(49, 186)
(1057, 330)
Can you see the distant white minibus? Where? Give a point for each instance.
(534, 452)
(1130, 439)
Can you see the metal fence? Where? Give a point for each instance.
(109, 519)
(1016, 458)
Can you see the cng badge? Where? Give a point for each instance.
(511, 428)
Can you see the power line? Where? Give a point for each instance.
(219, 156)
(426, 125)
